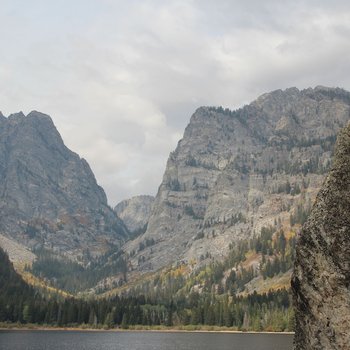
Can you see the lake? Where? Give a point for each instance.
(79, 340)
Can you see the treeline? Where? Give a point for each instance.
(14, 292)
(276, 256)
(72, 276)
(20, 303)
(270, 311)
(271, 251)
(211, 295)
(256, 312)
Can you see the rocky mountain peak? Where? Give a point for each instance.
(16, 118)
(49, 197)
(235, 172)
(321, 280)
(37, 117)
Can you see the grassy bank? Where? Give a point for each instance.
(135, 328)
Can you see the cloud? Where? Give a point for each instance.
(121, 79)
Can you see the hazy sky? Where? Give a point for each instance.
(121, 78)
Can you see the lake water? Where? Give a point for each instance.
(62, 340)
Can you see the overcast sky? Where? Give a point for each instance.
(121, 78)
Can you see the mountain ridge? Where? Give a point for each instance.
(232, 175)
(244, 167)
(49, 196)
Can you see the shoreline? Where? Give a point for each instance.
(116, 330)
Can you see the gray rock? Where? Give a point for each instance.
(228, 176)
(48, 194)
(321, 278)
(135, 212)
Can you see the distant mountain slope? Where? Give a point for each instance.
(48, 194)
(19, 254)
(135, 212)
(235, 172)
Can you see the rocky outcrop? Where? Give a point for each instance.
(48, 194)
(321, 278)
(237, 171)
(135, 212)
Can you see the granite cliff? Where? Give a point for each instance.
(49, 197)
(321, 278)
(235, 172)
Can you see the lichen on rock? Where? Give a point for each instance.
(321, 278)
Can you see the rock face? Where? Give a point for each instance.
(321, 278)
(48, 195)
(135, 212)
(237, 171)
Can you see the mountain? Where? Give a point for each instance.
(321, 277)
(220, 235)
(235, 173)
(49, 197)
(135, 212)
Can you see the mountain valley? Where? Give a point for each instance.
(234, 195)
